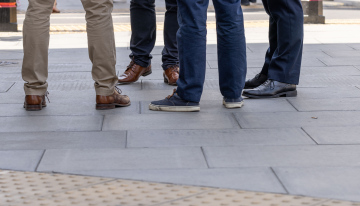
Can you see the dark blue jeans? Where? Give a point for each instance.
(192, 48)
(286, 34)
(143, 37)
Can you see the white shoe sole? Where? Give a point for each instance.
(233, 105)
(174, 108)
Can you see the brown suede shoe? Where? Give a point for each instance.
(35, 102)
(112, 101)
(133, 73)
(171, 75)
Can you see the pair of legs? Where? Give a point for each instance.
(101, 44)
(283, 57)
(192, 51)
(143, 37)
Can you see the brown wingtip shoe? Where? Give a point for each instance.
(171, 75)
(34, 102)
(112, 101)
(133, 73)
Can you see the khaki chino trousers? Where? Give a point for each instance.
(101, 43)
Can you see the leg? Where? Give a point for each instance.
(231, 47)
(143, 27)
(101, 43)
(273, 45)
(286, 61)
(36, 45)
(191, 39)
(170, 55)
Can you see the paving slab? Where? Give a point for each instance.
(169, 121)
(340, 104)
(330, 71)
(121, 159)
(61, 140)
(50, 123)
(251, 179)
(327, 92)
(26, 160)
(336, 54)
(334, 135)
(193, 138)
(298, 119)
(341, 183)
(250, 105)
(333, 61)
(66, 109)
(5, 86)
(329, 81)
(283, 156)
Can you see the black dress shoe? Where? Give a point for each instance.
(252, 1)
(258, 80)
(245, 2)
(271, 89)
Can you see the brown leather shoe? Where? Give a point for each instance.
(171, 75)
(34, 102)
(112, 101)
(133, 73)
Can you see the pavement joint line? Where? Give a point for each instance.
(277, 177)
(288, 101)
(206, 161)
(36, 188)
(42, 155)
(238, 123)
(310, 136)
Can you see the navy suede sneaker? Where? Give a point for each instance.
(233, 103)
(174, 103)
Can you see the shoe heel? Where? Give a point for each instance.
(147, 73)
(165, 80)
(33, 107)
(105, 106)
(290, 94)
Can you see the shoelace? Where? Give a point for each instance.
(131, 66)
(47, 97)
(168, 97)
(118, 90)
(267, 82)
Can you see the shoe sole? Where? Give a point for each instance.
(110, 106)
(283, 94)
(33, 107)
(174, 108)
(144, 75)
(233, 105)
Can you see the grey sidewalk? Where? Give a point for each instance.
(308, 145)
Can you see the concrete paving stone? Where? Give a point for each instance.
(5, 86)
(182, 138)
(26, 160)
(250, 105)
(339, 104)
(54, 77)
(330, 71)
(329, 81)
(327, 47)
(158, 75)
(10, 69)
(62, 140)
(250, 179)
(72, 56)
(66, 109)
(338, 61)
(334, 135)
(69, 68)
(152, 95)
(121, 159)
(10, 54)
(283, 156)
(341, 183)
(161, 121)
(327, 92)
(336, 54)
(298, 119)
(258, 47)
(57, 123)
